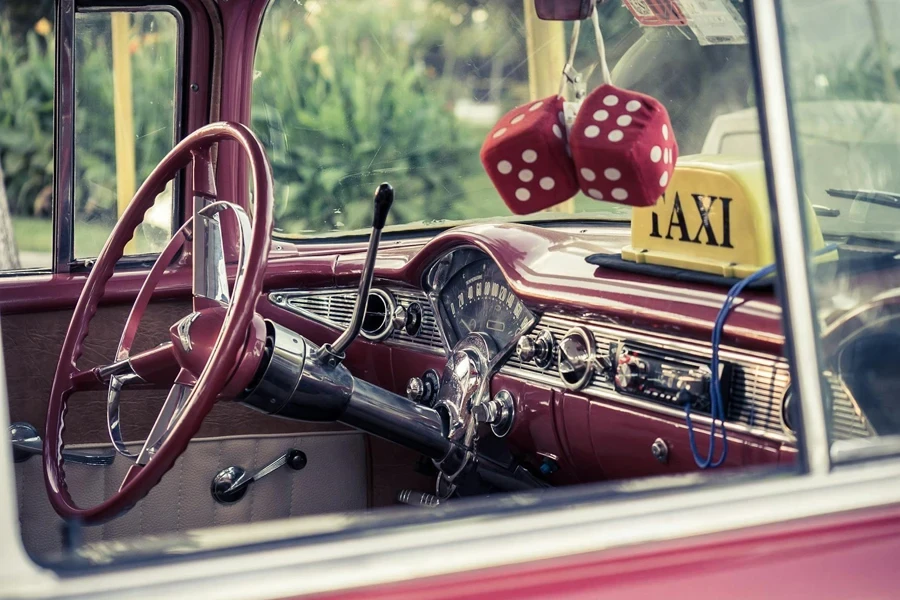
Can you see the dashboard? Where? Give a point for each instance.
(561, 332)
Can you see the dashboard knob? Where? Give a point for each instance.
(525, 348)
(630, 372)
(498, 412)
(398, 319)
(415, 389)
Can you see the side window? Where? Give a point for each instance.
(125, 119)
(26, 135)
(846, 106)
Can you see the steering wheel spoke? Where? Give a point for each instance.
(171, 411)
(210, 284)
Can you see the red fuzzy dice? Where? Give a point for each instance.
(527, 158)
(623, 147)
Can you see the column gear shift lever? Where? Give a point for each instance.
(332, 354)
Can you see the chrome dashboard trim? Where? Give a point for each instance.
(758, 385)
(333, 307)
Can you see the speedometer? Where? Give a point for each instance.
(477, 299)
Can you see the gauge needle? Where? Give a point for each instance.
(467, 326)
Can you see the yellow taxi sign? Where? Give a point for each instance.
(714, 218)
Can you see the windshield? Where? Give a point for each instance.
(349, 94)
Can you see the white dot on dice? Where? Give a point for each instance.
(523, 194)
(619, 194)
(591, 131)
(595, 194)
(557, 131)
(536, 106)
(505, 167)
(632, 105)
(667, 156)
(601, 115)
(610, 100)
(526, 175)
(529, 156)
(655, 154)
(517, 119)
(612, 174)
(562, 118)
(588, 175)
(624, 120)
(547, 183)
(665, 131)
(499, 132)
(616, 135)
(664, 179)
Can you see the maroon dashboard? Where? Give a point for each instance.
(586, 427)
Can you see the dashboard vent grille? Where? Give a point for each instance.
(847, 421)
(335, 308)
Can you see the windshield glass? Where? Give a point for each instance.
(348, 94)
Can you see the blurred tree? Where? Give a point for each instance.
(9, 253)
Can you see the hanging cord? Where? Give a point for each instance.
(569, 75)
(717, 404)
(601, 47)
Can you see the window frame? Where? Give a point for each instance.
(376, 549)
(63, 252)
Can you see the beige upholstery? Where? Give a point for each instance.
(335, 479)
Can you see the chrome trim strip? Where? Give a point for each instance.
(791, 249)
(64, 138)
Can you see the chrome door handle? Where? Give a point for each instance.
(26, 442)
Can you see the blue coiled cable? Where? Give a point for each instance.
(717, 404)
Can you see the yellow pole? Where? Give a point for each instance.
(123, 107)
(546, 47)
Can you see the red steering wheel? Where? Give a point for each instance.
(213, 352)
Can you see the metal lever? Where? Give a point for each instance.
(231, 483)
(26, 442)
(334, 353)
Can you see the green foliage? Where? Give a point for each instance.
(26, 111)
(26, 117)
(344, 100)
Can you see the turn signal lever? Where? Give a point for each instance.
(333, 354)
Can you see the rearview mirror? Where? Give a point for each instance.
(564, 10)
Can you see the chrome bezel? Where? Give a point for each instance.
(390, 305)
(588, 338)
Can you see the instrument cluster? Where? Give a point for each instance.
(471, 295)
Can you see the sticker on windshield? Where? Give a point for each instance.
(656, 13)
(714, 21)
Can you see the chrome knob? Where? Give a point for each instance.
(539, 349)
(525, 348)
(630, 372)
(398, 319)
(415, 389)
(499, 413)
(660, 450)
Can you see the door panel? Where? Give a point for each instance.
(335, 479)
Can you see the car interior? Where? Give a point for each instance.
(338, 318)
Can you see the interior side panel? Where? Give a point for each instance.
(335, 479)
